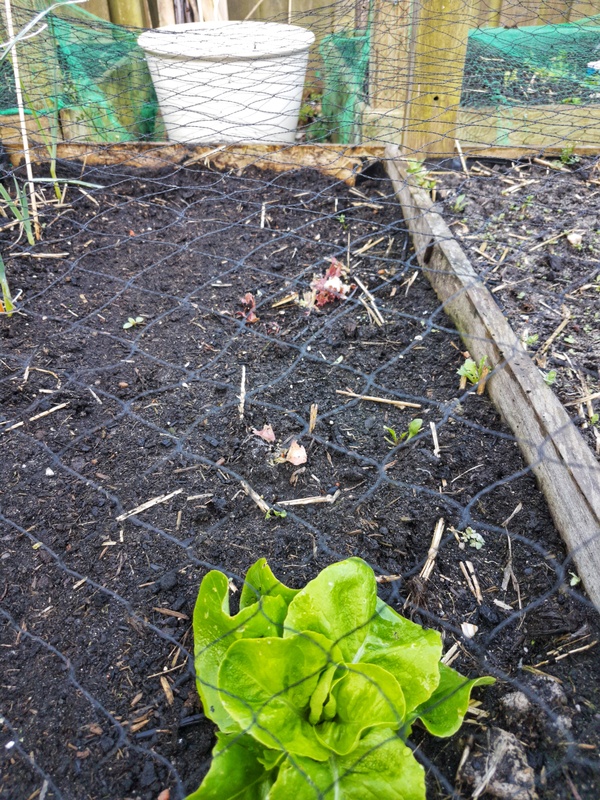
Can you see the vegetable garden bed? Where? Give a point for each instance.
(98, 419)
(531, 230)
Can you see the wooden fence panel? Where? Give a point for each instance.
(99, 8)
(584, 8)
(511, 13)
(519, 12)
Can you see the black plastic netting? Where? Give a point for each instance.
(219, 356)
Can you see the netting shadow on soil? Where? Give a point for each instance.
(210, 368)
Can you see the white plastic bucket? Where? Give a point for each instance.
(228, 81)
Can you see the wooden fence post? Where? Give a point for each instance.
(128, 12)
(439, 47)
(99, 8)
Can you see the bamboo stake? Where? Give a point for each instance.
(26, 154)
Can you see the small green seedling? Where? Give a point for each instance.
(341, 218)
(421, 175)
(472, 538)
(531, 340)
(459, 204)
(273, 512)
(6, 305)
(473, 371)
(575, 579)
(132, 322)
(594, 419)
(393, 438)
(550, 377)
(568, 157)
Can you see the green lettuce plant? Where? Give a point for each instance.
(315, 690)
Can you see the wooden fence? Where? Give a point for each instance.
(486, 13)
(421, 109)
(416, 67)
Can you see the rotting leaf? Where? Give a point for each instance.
(296, 454)
(267, 433)
(249, 304)
(331, 287)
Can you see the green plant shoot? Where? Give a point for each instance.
(133, 322)
(393, 438)
(472, 538)
(6, 306)
(459, 204)
(421, 175)
(473, 371)
(314, 691)
(19, 208)
(568, 156)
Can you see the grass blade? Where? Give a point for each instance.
(6, 305)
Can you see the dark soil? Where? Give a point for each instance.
(97, 692)
(518, 241)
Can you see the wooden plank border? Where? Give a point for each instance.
(542, 127)
(342, 162)
(564, 466)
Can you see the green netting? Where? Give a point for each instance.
(533, 65)
(345, 62)
(102, 88)
(8, 98)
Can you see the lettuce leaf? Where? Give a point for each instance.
(339, 604)
(445, 710)
(267, 685)
(215, 631)
(236, 771)
(310, 688)
(381, 767)
(321, 694)
(406, 650)
(342, 604)
(367, 696)
(260, 582)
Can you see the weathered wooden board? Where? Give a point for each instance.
(564, 466)
(516, 126)
(342, 162)
(530, 126)
(515, 153)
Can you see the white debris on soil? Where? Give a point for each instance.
(502, 771)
